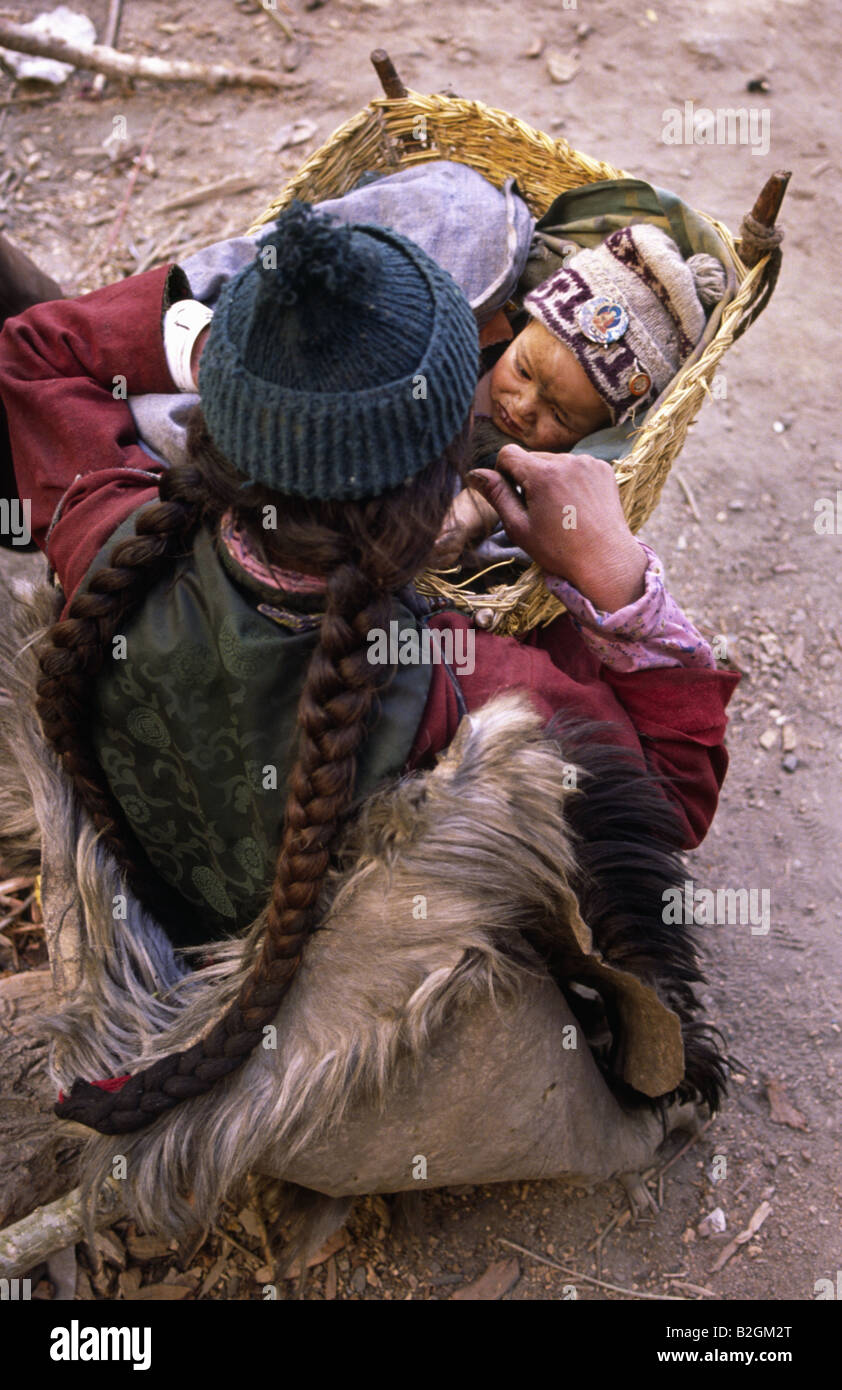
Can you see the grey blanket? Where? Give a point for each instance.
(479, 233)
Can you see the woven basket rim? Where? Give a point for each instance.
(642, 472)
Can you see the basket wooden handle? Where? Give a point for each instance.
(770, 197)
(764, 213)
(386, 71)
(760, 237)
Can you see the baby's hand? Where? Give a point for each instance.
(570, 519)
(469, 519)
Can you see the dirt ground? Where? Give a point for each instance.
(749, 565)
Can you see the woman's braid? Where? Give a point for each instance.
(366, 550)
(75, 654)
(339, 690)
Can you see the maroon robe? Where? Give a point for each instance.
(65, 369)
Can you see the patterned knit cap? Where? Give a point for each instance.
(631, 311)
(340, 362)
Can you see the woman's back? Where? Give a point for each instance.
(308, 383)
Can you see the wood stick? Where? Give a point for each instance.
(10, 917)
(257, 1208)
(147, 259)
(685, 488)
(586, 1278)
(770, 197)
(235, 183)
(174, 247)
(124, 206)
(765, 211)
(619, 1220)
(99, 58)
(757, 1219)
(53, 1227)
(695, 1288)
(272, 11)
(389, 80)
(12, 885)
(112, 26)
(694, 1139)
(243, 1249)
(36, 96)
(23, 927)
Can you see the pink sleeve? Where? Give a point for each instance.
(650, 632)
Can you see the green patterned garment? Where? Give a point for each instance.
(195, 727)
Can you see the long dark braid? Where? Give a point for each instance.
(76, 650)
(366, 550)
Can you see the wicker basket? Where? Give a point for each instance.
(385, 135)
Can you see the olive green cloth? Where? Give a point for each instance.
(195, 727)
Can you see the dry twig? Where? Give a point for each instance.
(621, 1218)
(243, 1249)
(757, 1219)
(99, 58)
(695, 1288)
(124, 206)
(53, 1227)
(112, 26)
(16, 911)
(587, 1279)
(257, 1208)
(13, 885)
(272, 12)
(685, 488)
(21, 100)
(234, 183)
(694, 1139)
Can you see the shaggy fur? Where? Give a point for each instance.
(627, 837)
(491, 841)
(24, 783)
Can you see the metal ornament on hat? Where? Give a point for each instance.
(604, 321)
(639, 381)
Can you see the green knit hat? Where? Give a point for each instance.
(340, 362)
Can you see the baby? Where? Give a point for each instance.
(606, 335)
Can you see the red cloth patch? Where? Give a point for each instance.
(111, 1083)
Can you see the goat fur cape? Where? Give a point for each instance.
(423, 1023)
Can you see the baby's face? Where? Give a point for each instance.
(541, 395)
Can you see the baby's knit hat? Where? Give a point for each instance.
(340, 362)
(631, 310)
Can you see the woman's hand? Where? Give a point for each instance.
(569, 520)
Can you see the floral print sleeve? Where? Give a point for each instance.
(650, 632)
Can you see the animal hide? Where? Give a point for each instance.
(431, 1034)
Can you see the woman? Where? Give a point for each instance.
(208, 686)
